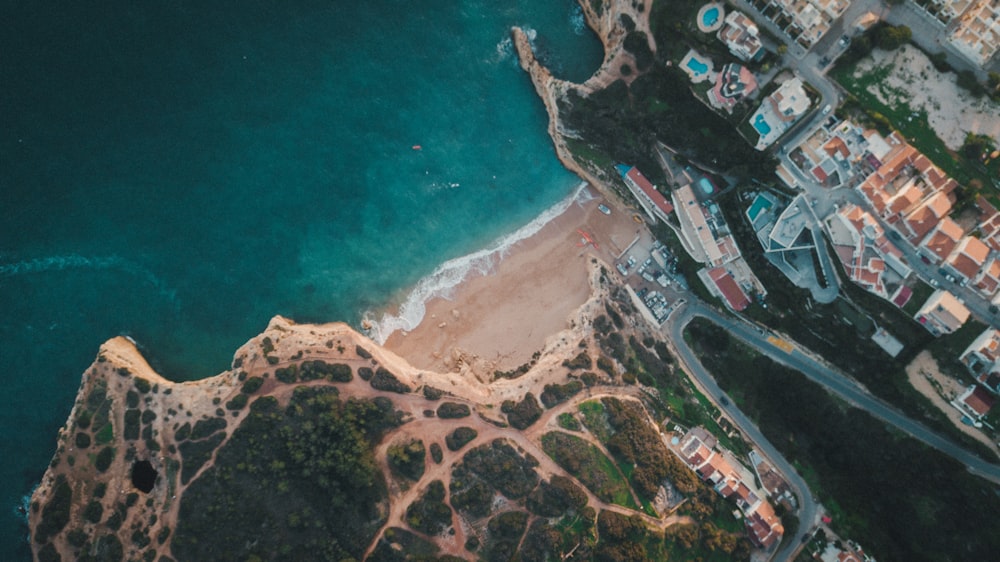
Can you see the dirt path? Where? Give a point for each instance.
(927, 378)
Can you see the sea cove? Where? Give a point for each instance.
(181, 173)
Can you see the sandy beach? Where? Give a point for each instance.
(500, 319)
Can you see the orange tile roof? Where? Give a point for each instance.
(944, 238)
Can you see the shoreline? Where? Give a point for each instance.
(500, 319)
(447, 278)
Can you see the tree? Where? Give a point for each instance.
(892, 37)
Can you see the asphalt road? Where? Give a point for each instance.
(818, 372)
(808, 508)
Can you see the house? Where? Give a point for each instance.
(726, 286)
(975, 402)
(741, 36)
(987, 281)
(982, 358)
(943, 313)
(925, 217)
(732, 85)
(967, 259)
(939, 244)
(864, 250)
(697, 449)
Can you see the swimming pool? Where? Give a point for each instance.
(710, 16)
(696, 66)
(761, 125)
(760, 204)
(706, 185)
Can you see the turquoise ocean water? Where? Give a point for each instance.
(181, 171)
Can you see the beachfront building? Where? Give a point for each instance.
(779, 111)
(741, 36)
(733, 84)
(869, 258)
(652, 201)
(942, 314)
(704, 229)
(699, 450)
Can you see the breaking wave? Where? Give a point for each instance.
(443, 281)
(505, 50)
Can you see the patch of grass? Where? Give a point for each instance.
(590, 466)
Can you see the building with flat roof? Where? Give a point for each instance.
(974, 28)
(741, 36)
(779, 111)
(943, 313)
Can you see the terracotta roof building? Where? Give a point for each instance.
(939, 244)
(943, 313)
(968, 258)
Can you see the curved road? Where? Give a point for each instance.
(808, 508)
(817, 372)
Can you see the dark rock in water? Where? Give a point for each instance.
(143, 476)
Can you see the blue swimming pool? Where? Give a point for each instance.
(761, 125)
(710, 16)
(697, 66)
(706, 185)
(759, 205)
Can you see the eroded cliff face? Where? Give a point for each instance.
(606, 18)
(134, 441)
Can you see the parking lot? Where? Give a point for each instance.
(650, 269)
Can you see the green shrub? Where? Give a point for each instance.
(452, 410)
(141, 384)
(386, 381)
(131, 432)
(407, 459)
(82, 440)
(104, 459)
(238, 402)
(460, 437)
(522, 414)
(93, 512)
(252, 385)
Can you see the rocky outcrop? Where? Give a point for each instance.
(606, 22)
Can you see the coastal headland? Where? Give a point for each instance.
(152, 469)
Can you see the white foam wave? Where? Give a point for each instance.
(441, 283)
(63, 263)
(577, 21)
(505, 48)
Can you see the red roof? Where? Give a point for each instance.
(980, 400)
(819, 173)
(658, 199)
(903, 296)
(732, 292)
